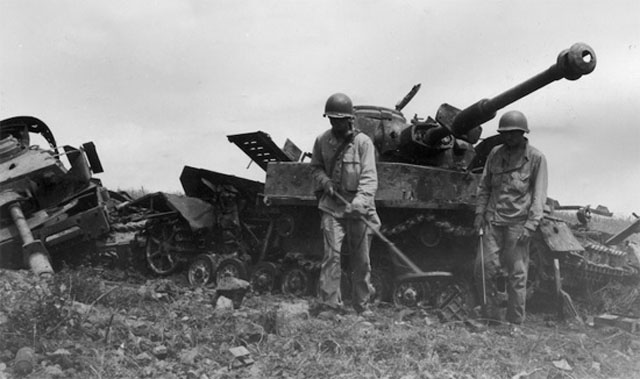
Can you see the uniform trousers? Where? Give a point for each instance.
(502, 249)
(358, 237)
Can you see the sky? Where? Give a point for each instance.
(158, 85)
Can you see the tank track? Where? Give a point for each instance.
(599, 264)
(452, 299)
(445, 226)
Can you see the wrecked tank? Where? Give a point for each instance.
(609, 256)
(213, 231)
(48, 209)
(428, 173)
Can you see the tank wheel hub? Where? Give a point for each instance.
(263, 279)
(202, 270)
(296, 282)
(408, 293)
(232, 267)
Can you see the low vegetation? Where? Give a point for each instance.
(92, 323)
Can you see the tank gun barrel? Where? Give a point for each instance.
(571, 64)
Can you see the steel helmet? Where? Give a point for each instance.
(338, 105)
(513, 120)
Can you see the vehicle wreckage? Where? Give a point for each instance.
(428, 172)
(269, 232)
(47, 207)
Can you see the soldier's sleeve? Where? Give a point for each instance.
(318, 171)
(368, 183)
(539, 196)
(484, 187)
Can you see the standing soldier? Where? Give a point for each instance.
(343, 163)
(511, 196)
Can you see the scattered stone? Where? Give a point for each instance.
(328, 315)
(160, 352)
(249, 332)
(229, 283)
(625, 323)
(295, 345)
(234, 289)
(147, 371)
(223, 303)
(188, 357)
(290, 317)
(329, 346)
(562, 365)
(240, 357)
(61, 357)
(143, 358)
(52, 372)
(475, 326)
(364, 327)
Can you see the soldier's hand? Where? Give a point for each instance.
(328, 188)
(478, 223)
(525, 237)
(354, 209)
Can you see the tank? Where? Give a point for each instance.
(215, 229)
(609, 255)
(49, 210)
(428, 173)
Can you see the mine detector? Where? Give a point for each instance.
(428, 174)
(47, 208)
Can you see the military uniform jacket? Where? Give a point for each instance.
(513, 187)
(354, 175)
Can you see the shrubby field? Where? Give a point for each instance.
(91, 323)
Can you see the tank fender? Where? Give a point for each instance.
(558, 237)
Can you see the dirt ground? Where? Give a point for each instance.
(92, 323)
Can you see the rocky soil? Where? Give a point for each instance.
(91, 323)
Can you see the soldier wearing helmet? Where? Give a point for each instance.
(511, 196)
(343, 162)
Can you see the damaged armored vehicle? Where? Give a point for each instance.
(48, 208)
(213, 231)
(428, 173)
(607, 256)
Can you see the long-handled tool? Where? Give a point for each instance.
(481, 247)
(417, 272)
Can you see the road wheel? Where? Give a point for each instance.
(408, 293)
(161, 254)
(232, 267)
(296, 282)
(264, 277)
(202, 270)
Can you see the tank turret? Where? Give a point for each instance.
(431, 141)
